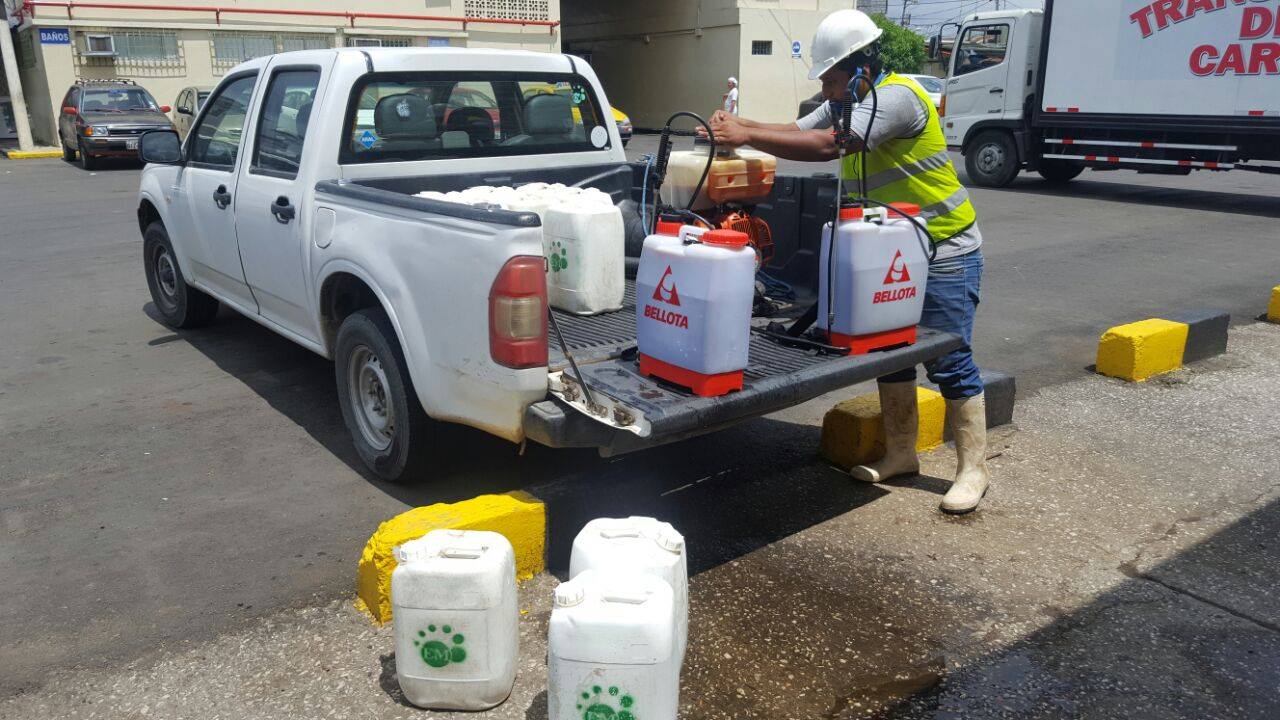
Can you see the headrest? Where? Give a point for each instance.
(404, 116)
(302, 119)
(548, 115)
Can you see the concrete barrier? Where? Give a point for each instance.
(1273, 308)
(517, 515)
(1144, 349)
(33, 154)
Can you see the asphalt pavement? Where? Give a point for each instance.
(162, 490)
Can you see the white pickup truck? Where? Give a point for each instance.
(293, 202)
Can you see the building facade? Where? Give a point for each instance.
(659, 56)
(166, 47)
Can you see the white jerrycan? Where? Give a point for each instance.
(875, 282)
(641, 545)
(611, 651)
(453, 599)
(586, 256)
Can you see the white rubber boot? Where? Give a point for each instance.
(901, 418)
(968, 419)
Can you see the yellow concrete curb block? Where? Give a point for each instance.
(1273, 309)
(32, 154)
(853, 433)
(517, 515)
(1143, 349)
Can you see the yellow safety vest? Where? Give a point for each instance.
(917, 170)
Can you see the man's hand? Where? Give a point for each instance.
(719, 117)
(730, 133)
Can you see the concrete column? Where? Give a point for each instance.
(10, 61)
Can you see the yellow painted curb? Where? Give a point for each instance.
(517, 515)
(1143, 349)
(1273, 309)
(853, 432)
(32, 154)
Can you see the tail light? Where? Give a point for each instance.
(518, 314)
(942, 107)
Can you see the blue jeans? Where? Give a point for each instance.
(950, 301)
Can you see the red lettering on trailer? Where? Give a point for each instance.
(885, 296)
(1232, 60)
(1202, 60)
(1265, 54)
(669, 317)
(1256, 23)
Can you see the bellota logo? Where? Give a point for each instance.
(672, 297)
(897, 271)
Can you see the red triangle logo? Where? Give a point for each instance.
(897, 271)
(671, 296)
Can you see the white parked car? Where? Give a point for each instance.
(932, 85)
(294, 201)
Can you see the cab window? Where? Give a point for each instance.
(286, 114)
(981, 47)
(428, 116)
(215, 142)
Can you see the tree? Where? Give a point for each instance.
(901, 49)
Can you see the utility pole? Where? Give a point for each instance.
(9, 59)
(903, 20)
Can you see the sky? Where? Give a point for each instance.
(928, 15)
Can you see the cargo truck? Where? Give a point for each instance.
(1163, 86)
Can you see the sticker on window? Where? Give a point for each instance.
(367, 139)
(599, 136)
(579, 95)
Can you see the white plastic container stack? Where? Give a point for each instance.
(877, 281)
(693, 308)
(611, 650)
(453, 599)
(641, 545)
(584, 243)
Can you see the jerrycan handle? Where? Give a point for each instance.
(690, 234)
(625, 597)
(462, 553)
(622, 532)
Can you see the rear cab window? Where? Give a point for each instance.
(438, 115)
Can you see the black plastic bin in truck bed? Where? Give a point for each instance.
(777, 377)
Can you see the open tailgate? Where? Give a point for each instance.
(639, 412)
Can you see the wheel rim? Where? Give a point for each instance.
(991, 158)
(367, 386)
(166, 278)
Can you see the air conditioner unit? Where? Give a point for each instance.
(99, 46)
(364, 42)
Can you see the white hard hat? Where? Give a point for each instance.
(841, 34)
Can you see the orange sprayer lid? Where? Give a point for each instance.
(667, 227)
(850, 213)
(726, 238)
(909, 208)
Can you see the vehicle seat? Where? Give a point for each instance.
(548, 119)
(94, 106)
(476, 122)
(406, 122)
(303, 119)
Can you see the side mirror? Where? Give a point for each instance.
(184, 110)
(68, 110)
(161, 147)
(935, 47)
(165, 108)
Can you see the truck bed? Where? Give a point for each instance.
(777, 377)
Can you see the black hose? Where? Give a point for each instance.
(711, 154)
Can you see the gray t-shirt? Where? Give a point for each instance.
(899, 114)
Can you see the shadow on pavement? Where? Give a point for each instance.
(1195, 636)
(1180, 198)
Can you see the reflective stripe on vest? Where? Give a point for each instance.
(917, 170)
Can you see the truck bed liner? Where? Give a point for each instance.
(777, 377)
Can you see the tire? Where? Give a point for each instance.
(992, 159)
(391, 432)
(87, 161)
(68, 153)
(1059, 172)
(180, 305)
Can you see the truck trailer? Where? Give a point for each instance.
(1156, 86)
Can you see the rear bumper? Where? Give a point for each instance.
(675, 415)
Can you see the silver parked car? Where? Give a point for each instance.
(185, 108)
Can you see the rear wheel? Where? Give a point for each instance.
(1060, 171)
(68, 153)
(179, 304)
(391, 431)
(992, 159)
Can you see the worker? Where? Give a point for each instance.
(731, 97)
(908, 162)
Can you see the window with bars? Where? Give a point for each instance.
(135, 46)
(370, 41)
(290, 43)
(230, 49)
(508, 9)
(761, 47)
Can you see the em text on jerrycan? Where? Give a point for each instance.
(693, 308)
(453, 599)
(876, 281)
(640, 545)
(611, 650)
(585, 246)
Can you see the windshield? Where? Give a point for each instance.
(118, 100)
(433, 116)
(930, 84)
(201, 96)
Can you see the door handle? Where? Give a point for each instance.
(995, 91)
(221, 197)
(283, 210)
